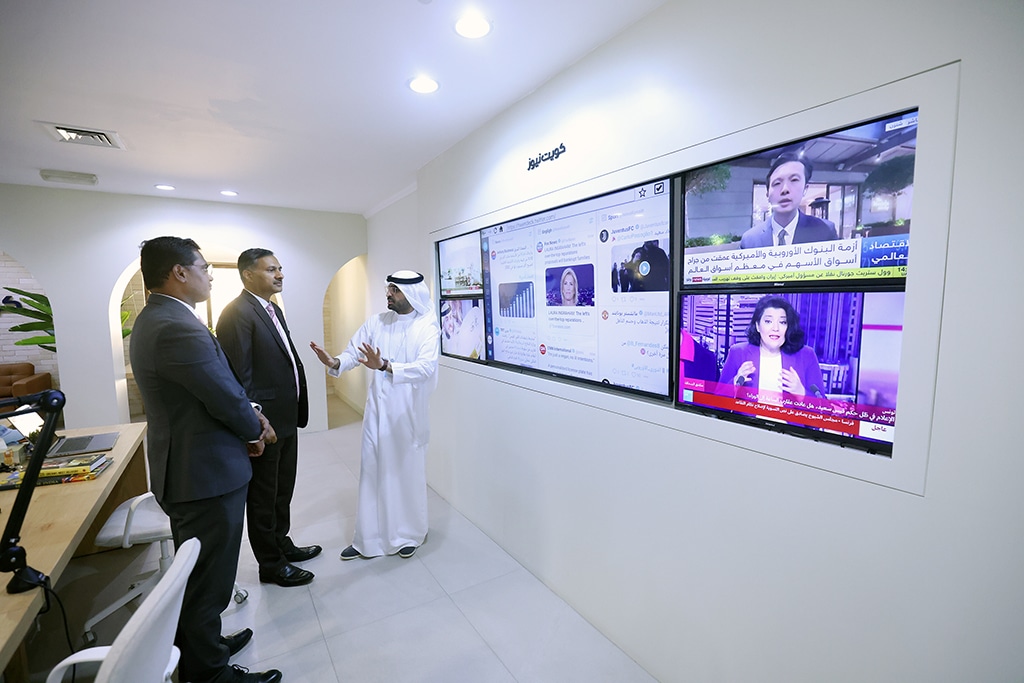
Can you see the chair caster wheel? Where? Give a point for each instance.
(241, 596)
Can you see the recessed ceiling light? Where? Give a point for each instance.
(472, 25)
(423, 85)
(165, 188)
(229, 193)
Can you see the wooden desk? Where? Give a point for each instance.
(62, 522)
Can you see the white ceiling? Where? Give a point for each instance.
(298, 104)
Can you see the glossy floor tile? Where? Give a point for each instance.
(460, 610)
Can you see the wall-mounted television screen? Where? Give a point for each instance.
(462, 328)
(583, 290)
(818, 364)
(459, 265)
(832, 207)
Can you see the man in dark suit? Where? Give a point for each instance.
(255, 337)
(787, 182)
(202, 433)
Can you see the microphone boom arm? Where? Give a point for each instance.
(12, 555)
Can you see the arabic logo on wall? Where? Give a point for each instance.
(546, 156)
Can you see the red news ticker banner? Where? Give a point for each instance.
(830, 422)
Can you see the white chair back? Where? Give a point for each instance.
(144, 651)
(135, 521)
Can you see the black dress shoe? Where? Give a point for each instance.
(239, 674)
(236, 641)
(302, 554)
(287, 576)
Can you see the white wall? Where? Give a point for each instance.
(83, 247)
(413, 251)
(701, 556)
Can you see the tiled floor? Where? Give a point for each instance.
(460, 610)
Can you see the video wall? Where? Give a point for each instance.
(580, 291)
(780, 273)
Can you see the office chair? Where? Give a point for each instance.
(144, 651)
(138, 520)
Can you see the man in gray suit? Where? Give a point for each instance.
(202, 432)
(787, 182)
(255, 337)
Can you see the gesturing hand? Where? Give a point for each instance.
(743, 374)
(791, 382)
(325, 358)
(372, 360)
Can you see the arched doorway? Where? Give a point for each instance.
(344, 311)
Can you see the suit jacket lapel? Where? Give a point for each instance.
(264, 316)
(801, 222)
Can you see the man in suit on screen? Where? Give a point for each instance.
(787, 182)
(202, 432)
(255, 337)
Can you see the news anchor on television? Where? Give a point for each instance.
(774, 360)
(787, 181)
(570, 287)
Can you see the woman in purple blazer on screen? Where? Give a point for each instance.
(773, 361)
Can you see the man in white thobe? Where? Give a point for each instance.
(401, 347)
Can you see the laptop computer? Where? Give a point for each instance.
(65, 445)
(80, 445)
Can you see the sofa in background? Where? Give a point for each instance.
(21, 379)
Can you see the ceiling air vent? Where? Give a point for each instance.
(83, 136)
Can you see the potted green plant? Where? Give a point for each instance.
(37, 307)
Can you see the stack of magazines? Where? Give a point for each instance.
(62, 470)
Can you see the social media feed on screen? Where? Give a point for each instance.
(582, 291)
(828, 208)
(824, 364)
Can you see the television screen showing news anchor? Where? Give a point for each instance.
(833, 207)
(826, 362)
